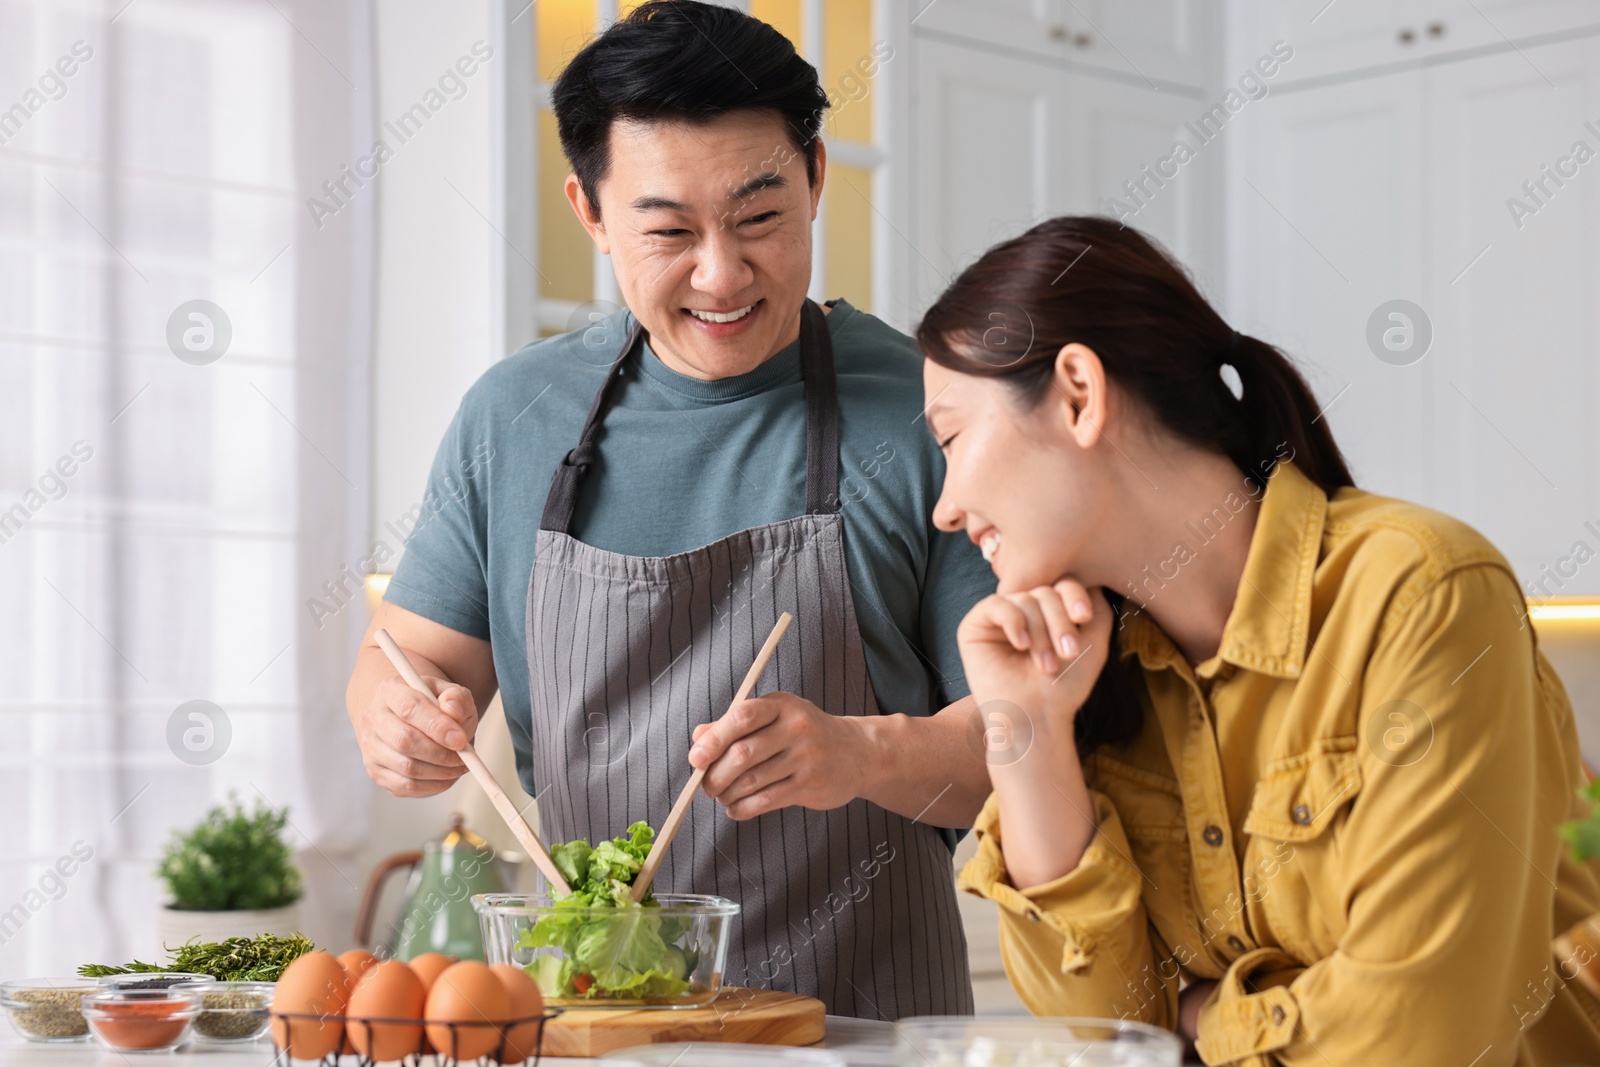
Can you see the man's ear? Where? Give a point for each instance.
(1080, 387)
(587, 213)
(822, 172)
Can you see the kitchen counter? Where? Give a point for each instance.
(862, 1043)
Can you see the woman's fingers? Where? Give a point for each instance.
(1063, 634)
(1040, 643)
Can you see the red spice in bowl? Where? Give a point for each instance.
(141, 1019)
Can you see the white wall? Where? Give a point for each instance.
(436, 332)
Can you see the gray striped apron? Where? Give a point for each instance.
(628, 654)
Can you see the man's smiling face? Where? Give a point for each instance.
(709, 231)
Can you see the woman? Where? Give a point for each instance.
(1277, 763)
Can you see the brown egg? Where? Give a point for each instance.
(429, 966)
(466, 992)
(525, 1002)
(390, 990)
(356, 963)
(314, 984)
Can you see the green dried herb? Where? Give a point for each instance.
(55, 1013)
(231, 1016)
(238, 959)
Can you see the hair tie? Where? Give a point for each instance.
(1228, 372)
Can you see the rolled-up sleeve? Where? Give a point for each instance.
(1080, 945)
(1448, 857)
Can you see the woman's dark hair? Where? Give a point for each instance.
(1108, 286)
(685, 61)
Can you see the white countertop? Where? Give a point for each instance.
(862, 1043)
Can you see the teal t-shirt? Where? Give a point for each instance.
(682, 463)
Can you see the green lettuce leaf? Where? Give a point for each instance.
(631, 954)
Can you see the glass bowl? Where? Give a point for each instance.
(668, 954)
(156, 980)
(48, 1009)
(142, 1020)
(233, 1013)
(1027, 1041)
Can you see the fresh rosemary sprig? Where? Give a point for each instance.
(238, 959)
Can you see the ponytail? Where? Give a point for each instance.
(1281, 418)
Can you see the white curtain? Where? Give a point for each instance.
(166, 514)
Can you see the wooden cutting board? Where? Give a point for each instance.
(750, 1016)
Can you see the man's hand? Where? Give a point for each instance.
(408, 745)
(778, 750)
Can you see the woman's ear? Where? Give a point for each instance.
(1080, 385)
(587, 213)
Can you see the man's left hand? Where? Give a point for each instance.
(779, 750)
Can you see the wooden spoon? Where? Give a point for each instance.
(669, 829)
(469, 755)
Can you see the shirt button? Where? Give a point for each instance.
(1302, 815)
(1235, 944)
(1212, 835)
(1033, 916)
(1277, 1015)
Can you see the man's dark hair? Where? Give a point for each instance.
(682, 61)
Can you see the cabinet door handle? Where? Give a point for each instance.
(1407, 35)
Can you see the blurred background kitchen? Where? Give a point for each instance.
(232, 331)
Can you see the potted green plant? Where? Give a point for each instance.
(232, 875)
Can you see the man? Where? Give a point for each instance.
(744, 453)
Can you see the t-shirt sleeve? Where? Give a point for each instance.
(957, 579)
(443, 573)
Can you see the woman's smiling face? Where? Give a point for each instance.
(1027, 484)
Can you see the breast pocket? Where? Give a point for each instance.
(1292, 860)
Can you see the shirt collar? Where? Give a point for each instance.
(1269, 628)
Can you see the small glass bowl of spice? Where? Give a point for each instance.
(155, 980)
(142, 1020)
(47, 1009)
(233, 1012)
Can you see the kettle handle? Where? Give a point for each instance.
(369, 899)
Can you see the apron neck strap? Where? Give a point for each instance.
(822, 426)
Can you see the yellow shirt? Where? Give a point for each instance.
(1347, 816)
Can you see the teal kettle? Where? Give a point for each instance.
(437, 913)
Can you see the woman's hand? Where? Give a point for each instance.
(1041, 650)
(1190, 1001)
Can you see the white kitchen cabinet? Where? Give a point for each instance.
(1344, 196)
(1169, 42)
(1518, 332)
(1159, 43)
(1353, 38)
(991, 151)
(1119, 134)
(1325, 204)
(1038, 27)
(1000, 144)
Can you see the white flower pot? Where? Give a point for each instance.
(176, 927)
